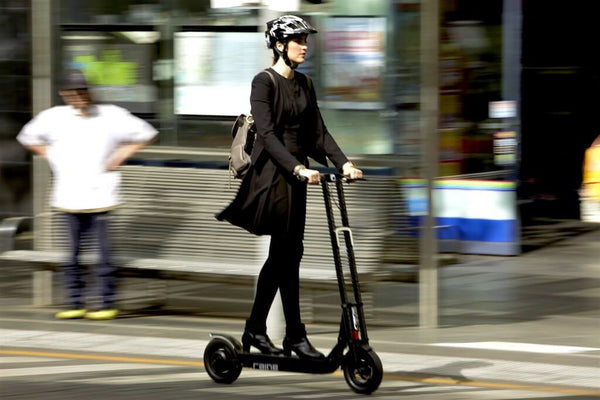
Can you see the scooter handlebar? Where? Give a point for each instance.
(332, 177)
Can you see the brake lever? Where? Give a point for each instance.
(352, 180)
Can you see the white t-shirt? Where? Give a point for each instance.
(78, 150)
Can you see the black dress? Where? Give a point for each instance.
(271, 200)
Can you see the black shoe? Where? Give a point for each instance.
(295, 340)
(260, 341)
(302, 347)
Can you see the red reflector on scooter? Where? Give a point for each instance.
(355, 335)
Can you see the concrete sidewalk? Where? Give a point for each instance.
(529, 320)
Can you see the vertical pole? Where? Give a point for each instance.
(511, 50)
(511, 86)
(41, 95)
(41, 55)
(428, 274)
(166, 84)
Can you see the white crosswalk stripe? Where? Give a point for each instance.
(524, 347)
(76, 341)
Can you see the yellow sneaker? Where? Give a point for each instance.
(102, 314)
(71, 314)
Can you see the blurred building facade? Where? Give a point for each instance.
(186, 67)
(15, 106)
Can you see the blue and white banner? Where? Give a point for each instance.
(481, 216)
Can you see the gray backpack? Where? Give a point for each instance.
(244, 135)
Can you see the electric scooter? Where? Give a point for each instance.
(224, 357)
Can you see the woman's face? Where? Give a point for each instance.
(296, 49)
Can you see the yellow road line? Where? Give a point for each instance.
(101, 357)
(395, 377)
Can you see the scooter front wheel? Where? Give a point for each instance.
(221, 361)
(363, 370)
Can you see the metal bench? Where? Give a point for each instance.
(10, 228)
(166, 229)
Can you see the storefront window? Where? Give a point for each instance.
(470, 81)
(117, 65)
(213, 71)
(353, 79)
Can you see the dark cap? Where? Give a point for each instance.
(74, 79)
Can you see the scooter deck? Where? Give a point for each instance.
(267, 362)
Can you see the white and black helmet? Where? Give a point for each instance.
(282, 28)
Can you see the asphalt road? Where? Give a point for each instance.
(62, 376)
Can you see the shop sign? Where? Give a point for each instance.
(505, 148)
(503, 109)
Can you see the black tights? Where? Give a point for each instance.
(280, 271)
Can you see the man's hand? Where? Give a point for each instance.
(121, 154)
(39, 150)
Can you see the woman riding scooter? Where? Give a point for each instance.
(272, 197)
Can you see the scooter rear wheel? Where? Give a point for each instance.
(363, 370)
(221, 361)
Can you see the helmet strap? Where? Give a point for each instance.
(283, 54)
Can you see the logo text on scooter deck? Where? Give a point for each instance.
(265, 366)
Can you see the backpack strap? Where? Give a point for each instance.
(311, 90)
(271, 76)
(309, 82)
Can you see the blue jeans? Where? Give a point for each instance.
(96, 225)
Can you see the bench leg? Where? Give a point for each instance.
(42, 288)
(307, 302)
(158, 292)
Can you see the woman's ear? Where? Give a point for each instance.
(279, 46)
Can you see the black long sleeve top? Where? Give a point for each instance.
(290, 103)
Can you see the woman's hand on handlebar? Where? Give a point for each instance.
(311, 176)
(351, 172)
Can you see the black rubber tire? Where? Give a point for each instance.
(363, 371)
(221, 361)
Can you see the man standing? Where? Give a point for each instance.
(84, 143)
